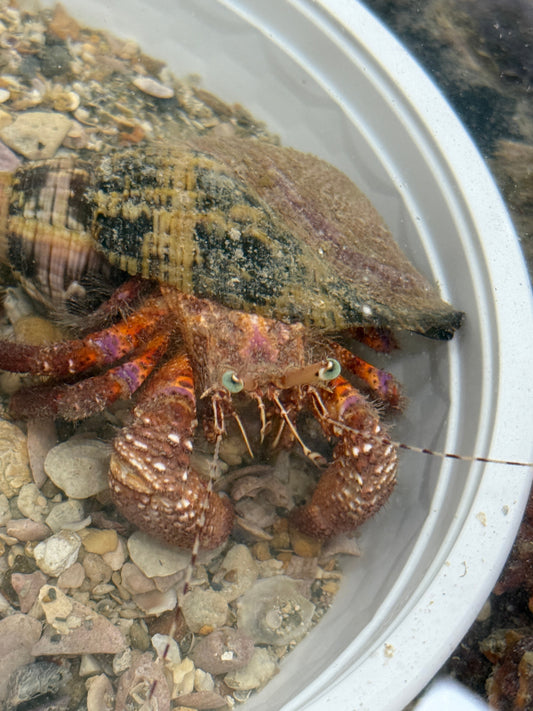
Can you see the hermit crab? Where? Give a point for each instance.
(238, 266)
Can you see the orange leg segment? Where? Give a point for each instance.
(92, 395)
(95, 350)
(382, 384)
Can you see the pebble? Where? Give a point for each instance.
(18, 634)
(86, 632)
(89, 665)
(5, 511)
(341, 544)
(203, 464)
(122, 661)
(116, 557)
(140, 639)
(302, 568)
(57, 608)
(66, 101)
(183, 677)
(24, 529)
(223, 651)
(67, 515)
(72, 577)
(5, 607)
(274, 612)
(96, 569)
(42, 437)
(100, 695)
(36, 134)
(232, 450)
(32, 504)
(30, 682)
(204, 609)
(203, 681)
(79, 467)
(237, 573)
(270, 567)
(36, 330)
(58, 552)
(169, 581)
(27, 586)
(258, 671)
(62, 25)
(135, 581)
(14, 461)
(202, 700)
(303, 545)
(55, 60)
(155, 558)
(153, 88)
(100, 542)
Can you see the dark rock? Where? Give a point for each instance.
(55, 60)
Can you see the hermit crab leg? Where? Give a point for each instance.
(381, 340)
(119, 305)
(313, 456)
(92, 395)
(151, 481)
(382, 384)
(97, 349)
(363, 472)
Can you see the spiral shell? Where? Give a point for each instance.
(251, 225)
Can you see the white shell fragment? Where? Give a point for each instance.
(58, 552)
(153, 88)
(274, 612)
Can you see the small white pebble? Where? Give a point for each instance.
(152, 87)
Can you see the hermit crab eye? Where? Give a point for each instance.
(232, 382)
(330, 370)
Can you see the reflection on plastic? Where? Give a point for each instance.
(448, 694)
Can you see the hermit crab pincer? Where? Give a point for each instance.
(247, 263)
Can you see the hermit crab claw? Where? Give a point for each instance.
(363, 472)
(151, 480)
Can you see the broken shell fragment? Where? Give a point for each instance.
(274, 612)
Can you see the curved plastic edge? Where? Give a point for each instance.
(466, 579)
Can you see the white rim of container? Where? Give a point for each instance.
(453, 591)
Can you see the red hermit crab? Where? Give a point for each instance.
(249, 262)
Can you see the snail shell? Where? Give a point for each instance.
(251, 225)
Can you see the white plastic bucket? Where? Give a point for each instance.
(329, 78)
